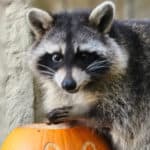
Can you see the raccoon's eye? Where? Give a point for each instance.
(84, 55)
(57, 58)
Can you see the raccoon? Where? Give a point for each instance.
(95, 71)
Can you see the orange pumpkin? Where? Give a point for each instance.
(43, 137)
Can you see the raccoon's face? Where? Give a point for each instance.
(72, 49)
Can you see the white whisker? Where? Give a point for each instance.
(47, 73)
(96, 63)
(96, 68)
(49, 69)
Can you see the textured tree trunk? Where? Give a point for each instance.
(16, 83)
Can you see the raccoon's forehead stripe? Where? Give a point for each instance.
(69, 53)
(51, 47)
(93, 46)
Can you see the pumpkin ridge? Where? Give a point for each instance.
(30, 138)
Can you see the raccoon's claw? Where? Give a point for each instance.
(59, 115)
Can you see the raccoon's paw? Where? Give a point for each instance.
(59, 115)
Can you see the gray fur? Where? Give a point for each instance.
(120, 99)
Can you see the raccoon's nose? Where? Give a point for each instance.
(68, 84)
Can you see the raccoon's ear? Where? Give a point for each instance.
(102, 16)
(39, 21)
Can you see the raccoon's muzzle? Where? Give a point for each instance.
(69, 84)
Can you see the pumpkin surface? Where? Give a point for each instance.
(43, 137)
